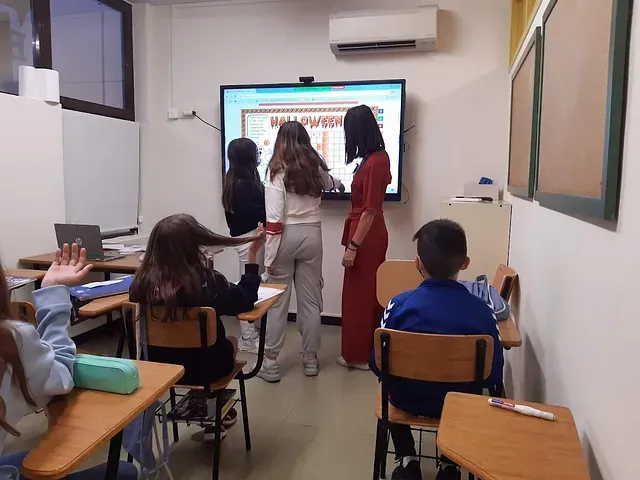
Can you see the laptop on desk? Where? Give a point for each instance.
(86, 236)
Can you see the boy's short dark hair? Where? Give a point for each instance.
(442, 247)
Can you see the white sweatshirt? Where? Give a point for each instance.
(286, 208)
(47, 353)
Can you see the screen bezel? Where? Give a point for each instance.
(389, 197)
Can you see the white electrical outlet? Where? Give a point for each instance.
(173, 114)
(187, 114)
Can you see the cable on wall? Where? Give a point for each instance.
(205, 122)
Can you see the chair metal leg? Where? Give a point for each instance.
(245, 414)
(172, 397)
(123, 336)
(377, 455)
(385, 449)
(216, 445)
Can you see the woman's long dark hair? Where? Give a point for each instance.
(301, 164)
(362, 133)
(174, 261)
(10, 352)
(243, 165)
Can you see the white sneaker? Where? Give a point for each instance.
(270, 371)
(357, 366)
(210, 434)
(249, 345)
(310, 365)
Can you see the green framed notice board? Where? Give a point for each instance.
(583, 98)
(524, 128)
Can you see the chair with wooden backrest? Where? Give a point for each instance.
(394, 277)
(194, 327)
(504, 281)
(428, 358)
(24, 311)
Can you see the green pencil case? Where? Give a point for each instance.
(107, 374)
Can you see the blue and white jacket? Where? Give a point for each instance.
(442, 307)
(47, 354)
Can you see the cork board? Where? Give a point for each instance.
(524, 121)
(582, 105)
(574, 97)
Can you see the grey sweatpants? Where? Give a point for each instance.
(299, 262)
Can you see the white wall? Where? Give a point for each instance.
(31, 176)
(458, 98)
(578, 311)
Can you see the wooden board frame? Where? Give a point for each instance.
(522, 15)
(535, 41)
(605, 208)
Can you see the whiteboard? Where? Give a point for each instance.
(101, 158)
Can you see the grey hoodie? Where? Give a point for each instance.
(47, 353)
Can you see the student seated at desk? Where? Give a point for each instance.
(174, 274)
(441, 306)
(36, 364)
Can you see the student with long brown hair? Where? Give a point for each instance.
(174, 273)
(243, 203)
(36, 363)
(297, 178)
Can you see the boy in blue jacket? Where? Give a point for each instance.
(440, 305)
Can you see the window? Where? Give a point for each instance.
(16, 41)
(88, 41)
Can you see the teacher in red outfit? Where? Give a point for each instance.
(365, 236)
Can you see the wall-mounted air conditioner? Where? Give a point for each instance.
(394, 31)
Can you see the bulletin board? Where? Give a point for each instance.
(525, 110)
(584, 77)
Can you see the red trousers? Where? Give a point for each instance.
(361, 312)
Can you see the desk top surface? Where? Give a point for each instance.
(100, 306)
(496, 444)
(81, 421)
(509, 333)
(23, 272)
(103, 305)
(126, 264)
(260, 309)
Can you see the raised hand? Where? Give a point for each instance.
(69, 268)
(259, 242)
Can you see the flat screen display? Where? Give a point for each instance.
(257, 111)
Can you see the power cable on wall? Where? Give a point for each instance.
(205, 122)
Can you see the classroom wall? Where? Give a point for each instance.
(458, 99)
(578, 311)
(31, 177)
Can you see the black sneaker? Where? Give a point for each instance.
(410, 472)
(450, 472)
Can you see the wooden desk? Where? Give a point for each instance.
(495, 444)
(100, 306)
(23, 272)
(260, 311)
(128, 264)
(509, 333)
(84, 419)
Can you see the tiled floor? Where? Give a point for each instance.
(302, 428)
